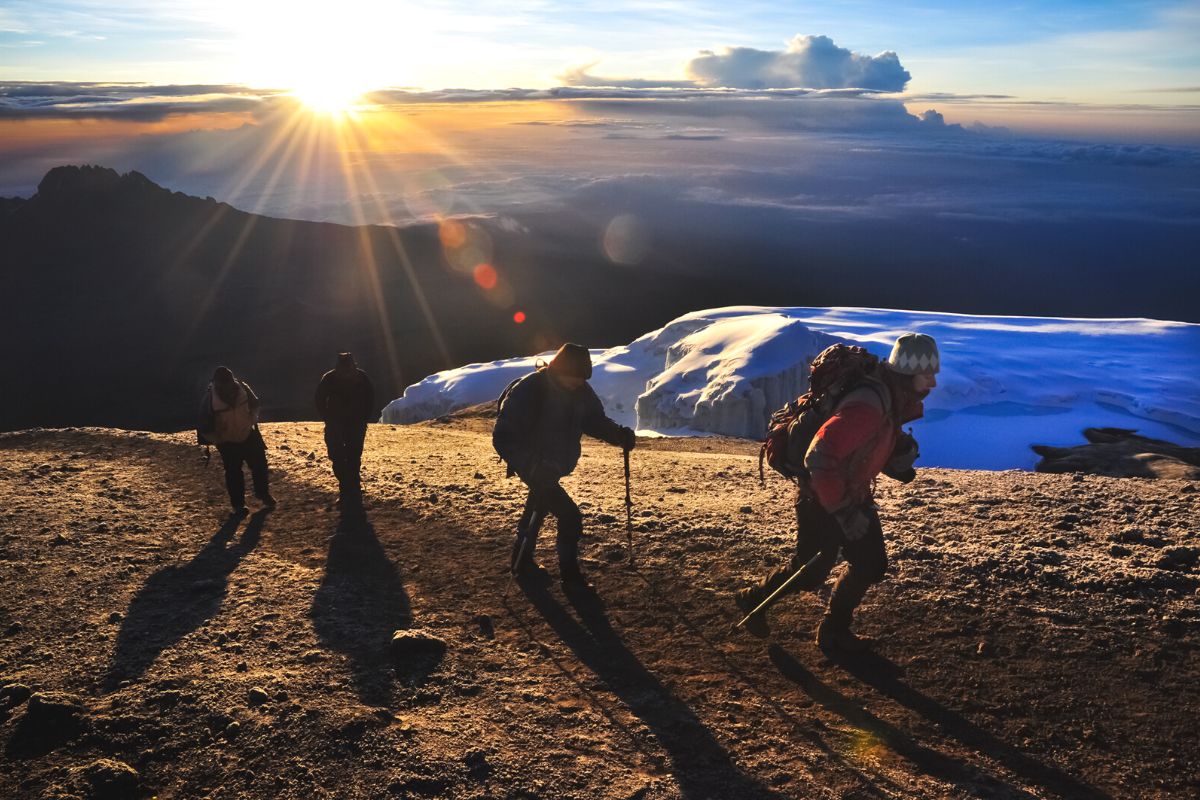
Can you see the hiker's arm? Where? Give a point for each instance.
(369, 399)
(252, 401)
(904, 455)
(321, 398)
(835, 449)
(597, 424)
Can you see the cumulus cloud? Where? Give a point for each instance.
(809, 61)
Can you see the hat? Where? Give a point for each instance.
(914, 354)
(572, 360)
(345, 360)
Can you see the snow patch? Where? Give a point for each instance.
(1006, 382)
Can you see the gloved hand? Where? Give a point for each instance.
(855, 522)
(904, 455)
(628, 439)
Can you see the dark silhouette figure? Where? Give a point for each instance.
(883, 676)
(345, 400)
(700, 764)
(361, 602)
(179, 598)
(229, 419)
(541, 419)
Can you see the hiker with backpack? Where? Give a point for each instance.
(229, 419)
(834, 441)
(345, 401)
(541, 418)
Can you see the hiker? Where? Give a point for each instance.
(346, 402)
(229, 419)
(541, 419)
(834, 506)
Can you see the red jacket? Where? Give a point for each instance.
(851, 449)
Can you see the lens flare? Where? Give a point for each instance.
(485, 276)
(519, 317)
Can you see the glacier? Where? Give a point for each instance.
(1006, 382)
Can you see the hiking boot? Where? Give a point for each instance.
(747, 600)
(239, 511)
(834, 637)
(266, 499)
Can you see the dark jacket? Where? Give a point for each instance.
(346, 397)
(540, 424)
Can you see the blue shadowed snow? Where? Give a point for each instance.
(1006, 382)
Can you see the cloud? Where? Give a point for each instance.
(127, 101)
(809, 61)
(578, 76)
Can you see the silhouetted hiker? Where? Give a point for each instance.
(346, 402)
(542, 417)
(229, 419)
(834, 506)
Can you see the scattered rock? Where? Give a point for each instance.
(477, 765)
(51, 718)
(102, 779)
(415, 644)
(486, 627)
(15, 693)
(1178, 558)
(115, 617)
(257, 696)
(746, 510)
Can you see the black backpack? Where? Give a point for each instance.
(836, 371)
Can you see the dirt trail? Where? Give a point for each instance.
(1037, 635)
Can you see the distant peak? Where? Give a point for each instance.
(71, 180)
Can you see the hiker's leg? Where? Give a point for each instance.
(868, 563)
(527, 532)
(334, 446)
(256, 459)
(570, 527)
(816, 535)
(355, 439)
(235, 482)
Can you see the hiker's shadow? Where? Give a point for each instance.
(884, 676)
(700, 764)
(361, 602)
(178, 599)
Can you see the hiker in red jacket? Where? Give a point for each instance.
(834, 506)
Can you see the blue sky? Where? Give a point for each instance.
(1095, 52)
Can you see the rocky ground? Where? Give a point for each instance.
(1037, 636)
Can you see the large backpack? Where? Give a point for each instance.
(836, 371)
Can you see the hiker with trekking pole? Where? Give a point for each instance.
(541, 418)
(833, 442)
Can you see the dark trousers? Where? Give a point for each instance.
(551, 500)
(819, 537)
(253, 453)
(345, 446)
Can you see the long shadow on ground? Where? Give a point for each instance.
(178, 599)
(881, 674)
(361, 602)
(700, 764)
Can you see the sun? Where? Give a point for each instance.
(328, 96)
(325, 55)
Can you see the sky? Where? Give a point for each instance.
(1070, 122)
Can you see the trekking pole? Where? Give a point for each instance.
(628, 512)
(771, 598)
